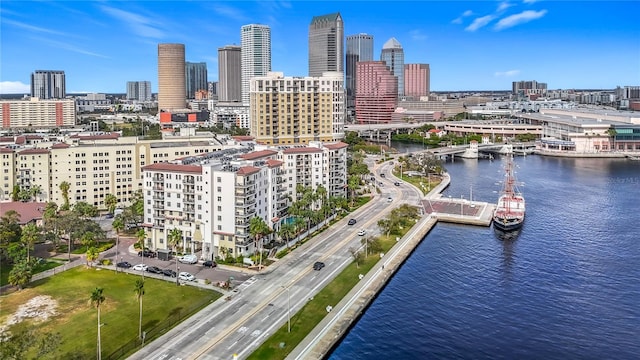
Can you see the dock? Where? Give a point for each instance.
(459, 211)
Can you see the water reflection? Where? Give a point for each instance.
(508, 239)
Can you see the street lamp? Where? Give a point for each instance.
(288, 308)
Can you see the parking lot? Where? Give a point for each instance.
(216, 274)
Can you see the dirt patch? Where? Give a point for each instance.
(39, 308)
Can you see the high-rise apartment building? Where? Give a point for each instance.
(376, 92)
(139, 90)
(171, 77)
(195, 78)
(393, 55)
(326, 44)
(416, 80)
(37, 113)
(359, 48)
(526, 88)
(230, 73)
(48, 84)
(297, 110)
(256, 54)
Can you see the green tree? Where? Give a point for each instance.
(286, 232)
(258, 229)
(96, 299)
(117, 225)
(10, 231)
(92, 255)
(110, 201)
(15, 193)
(85, 210)
(88, 239)
(357, 256)
(20, 275)
(64, 188)
(35, 191)
(353, 184)
(139, 291)
(175, 238)
(30, 234)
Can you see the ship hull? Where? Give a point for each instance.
(507, 224)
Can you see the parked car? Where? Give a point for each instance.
(188, 259)
(169, 272)
(318, 265)
(147, 253)
(186, 276)
(209, 263)
(124, 264)
(352, 221)
(396, 183)
(362, 232)
(382, 175)
(154, 270)
(140, 267)
(389, 199)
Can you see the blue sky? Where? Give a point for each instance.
(470, 45)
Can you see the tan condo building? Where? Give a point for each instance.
(297, 110)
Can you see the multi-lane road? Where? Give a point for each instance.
(238, 324)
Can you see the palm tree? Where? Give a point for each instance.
(140, 235)
(258, 229)
(117, 225)
(353, 184)
(286, 232)
(92, 255)
(97, 298)
(612, 134)
(64, 188)
(30, 234)
(139, 290)
(174, 238)
(110, 201)
(34, 191)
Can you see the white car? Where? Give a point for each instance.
(186, 276)
(361, 232)
(140, 267)
(389, 199)
(188, 259)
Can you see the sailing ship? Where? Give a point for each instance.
(509, 213)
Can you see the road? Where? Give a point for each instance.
(258, 307)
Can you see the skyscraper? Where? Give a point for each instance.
(326, 44)
(416, 80)
(230, 73)
(393, 55)
(359, 48)
(48, 84)
(256, 54)
(171, 77)
(196, 78)
(139, 90)
(376, 93)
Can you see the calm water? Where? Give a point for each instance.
(568, 287)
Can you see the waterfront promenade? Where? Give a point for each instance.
(330, 330)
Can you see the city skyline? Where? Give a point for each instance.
(469, 45)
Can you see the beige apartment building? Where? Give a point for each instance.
(94, 165)
(37, 113)
(297, 110)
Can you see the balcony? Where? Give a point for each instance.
(159, 197)
(245, 184)
(189, 200)
(159, 205)
(189, 189)
(244, 193)
(158, 187)
(189, 180)
(157, 179)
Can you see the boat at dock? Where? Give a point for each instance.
(509, 213)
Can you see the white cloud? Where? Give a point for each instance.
(140, 25)
(480, 22)
(14, 87)
(229, 12)
(503, 6)
(69, 47)
(458, 20)
(417, 35)
(32, 28)
(517, 19)
(529, 1)
(507, 73)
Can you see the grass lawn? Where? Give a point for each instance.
(315, 310)
(76, 319)
(421, 182)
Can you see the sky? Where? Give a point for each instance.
(469, 45)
